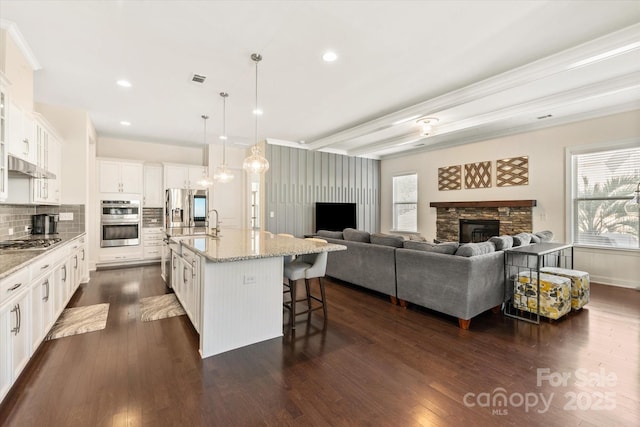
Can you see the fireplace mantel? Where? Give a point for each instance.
(485, 204)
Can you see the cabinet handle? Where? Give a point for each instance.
(14, 287)
(19, 319)
(193, 268)
(44, 267)
(76, 259)
(16, 329)
(64, 267)
(83, 255)
(184, 274)
(26, 143)
(46, 285)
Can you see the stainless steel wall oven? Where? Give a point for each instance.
(120, 223)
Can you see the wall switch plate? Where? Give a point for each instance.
(154, 220)
(26, 228)
(248, 279)
(66, 216)
(271, 214)
(10, 232)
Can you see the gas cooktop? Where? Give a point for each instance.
(43, 243)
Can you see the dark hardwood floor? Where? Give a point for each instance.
(374, 364)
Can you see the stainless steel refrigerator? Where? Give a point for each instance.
(185, 208)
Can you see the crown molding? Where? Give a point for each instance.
(21, 42)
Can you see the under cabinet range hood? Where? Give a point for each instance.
(18, 165)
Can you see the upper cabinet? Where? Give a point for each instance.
(183, 176)
(21, 142)
(48, 157)
(3, 139)
(119, 177)
(153, 191)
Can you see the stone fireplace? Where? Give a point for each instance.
(514, 216)
(478, 230)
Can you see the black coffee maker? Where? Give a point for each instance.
(44, 224)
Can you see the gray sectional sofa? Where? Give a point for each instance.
(459, 280)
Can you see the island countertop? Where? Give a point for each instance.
(238, 245)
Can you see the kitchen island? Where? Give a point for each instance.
(231, 285)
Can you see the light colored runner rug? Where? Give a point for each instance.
(160, 307)
(80, 320)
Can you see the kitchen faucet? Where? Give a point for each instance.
(215, 230)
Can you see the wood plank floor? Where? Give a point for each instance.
(374, 364)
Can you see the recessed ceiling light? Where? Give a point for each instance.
(257, 112)
(123, 83)
(329, 56)
(125, 123)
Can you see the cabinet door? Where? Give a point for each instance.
(18, 144)
(55, 156)
(109, 177)
(16, 318)
(176, 176)
(153, 188)
(6, 322)
(3, 145)
(62, 288)
(131, 178)
(38, 292)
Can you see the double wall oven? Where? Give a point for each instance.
(120, 223)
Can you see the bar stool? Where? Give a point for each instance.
(307, 267)
(287, 258)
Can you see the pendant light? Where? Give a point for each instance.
(204, 180)
(223, 174)
(256, 163)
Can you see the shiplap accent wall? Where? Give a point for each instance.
(297, 179)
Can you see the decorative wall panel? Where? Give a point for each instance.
(450, 178)
(477, 175)
(297, 179)
(513, 171)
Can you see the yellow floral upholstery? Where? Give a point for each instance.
(555, 294)
(579, 284)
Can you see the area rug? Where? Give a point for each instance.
(80, 320)
(160, 307)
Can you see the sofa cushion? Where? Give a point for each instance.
(387, 240)
(417, 238)
(502, 242)
(473, 249)
(330, 234)
(356, 235)
(545, 236)
(521, 239)
(447, 248)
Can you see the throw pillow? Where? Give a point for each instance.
(521, 239)
(502, 242)
(356, 235)
(392, 240)
(417, 238)
(330, 234)
(534, 238)
(447, 248)
(545, 236)
(473, 249)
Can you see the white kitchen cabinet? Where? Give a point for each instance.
(62, 287)
(187, 287)
(15, 351)
(48, 157)
(21, 137)
(120, 177)
(42, 307)
(153, 189)
(183, 176)
(152, 241)
(4, 100)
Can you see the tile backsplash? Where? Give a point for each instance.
(17, 217)
(151, 217)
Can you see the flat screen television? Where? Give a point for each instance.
(335, 216)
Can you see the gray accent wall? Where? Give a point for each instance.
(297, 179)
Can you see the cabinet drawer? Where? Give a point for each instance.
(153, 243)
(13, 284)
(149, 231)
(42, 265)
(152, 252)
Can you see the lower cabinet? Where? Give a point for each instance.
(31, 300)
(186, 283)
(15, 346)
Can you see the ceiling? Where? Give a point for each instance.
(482, 68)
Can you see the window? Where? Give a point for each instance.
(405, 203)
(603, 184)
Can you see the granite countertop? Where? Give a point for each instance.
(238, 245)
(186, 231)
(12, 260)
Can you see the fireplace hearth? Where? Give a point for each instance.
(478, 230)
